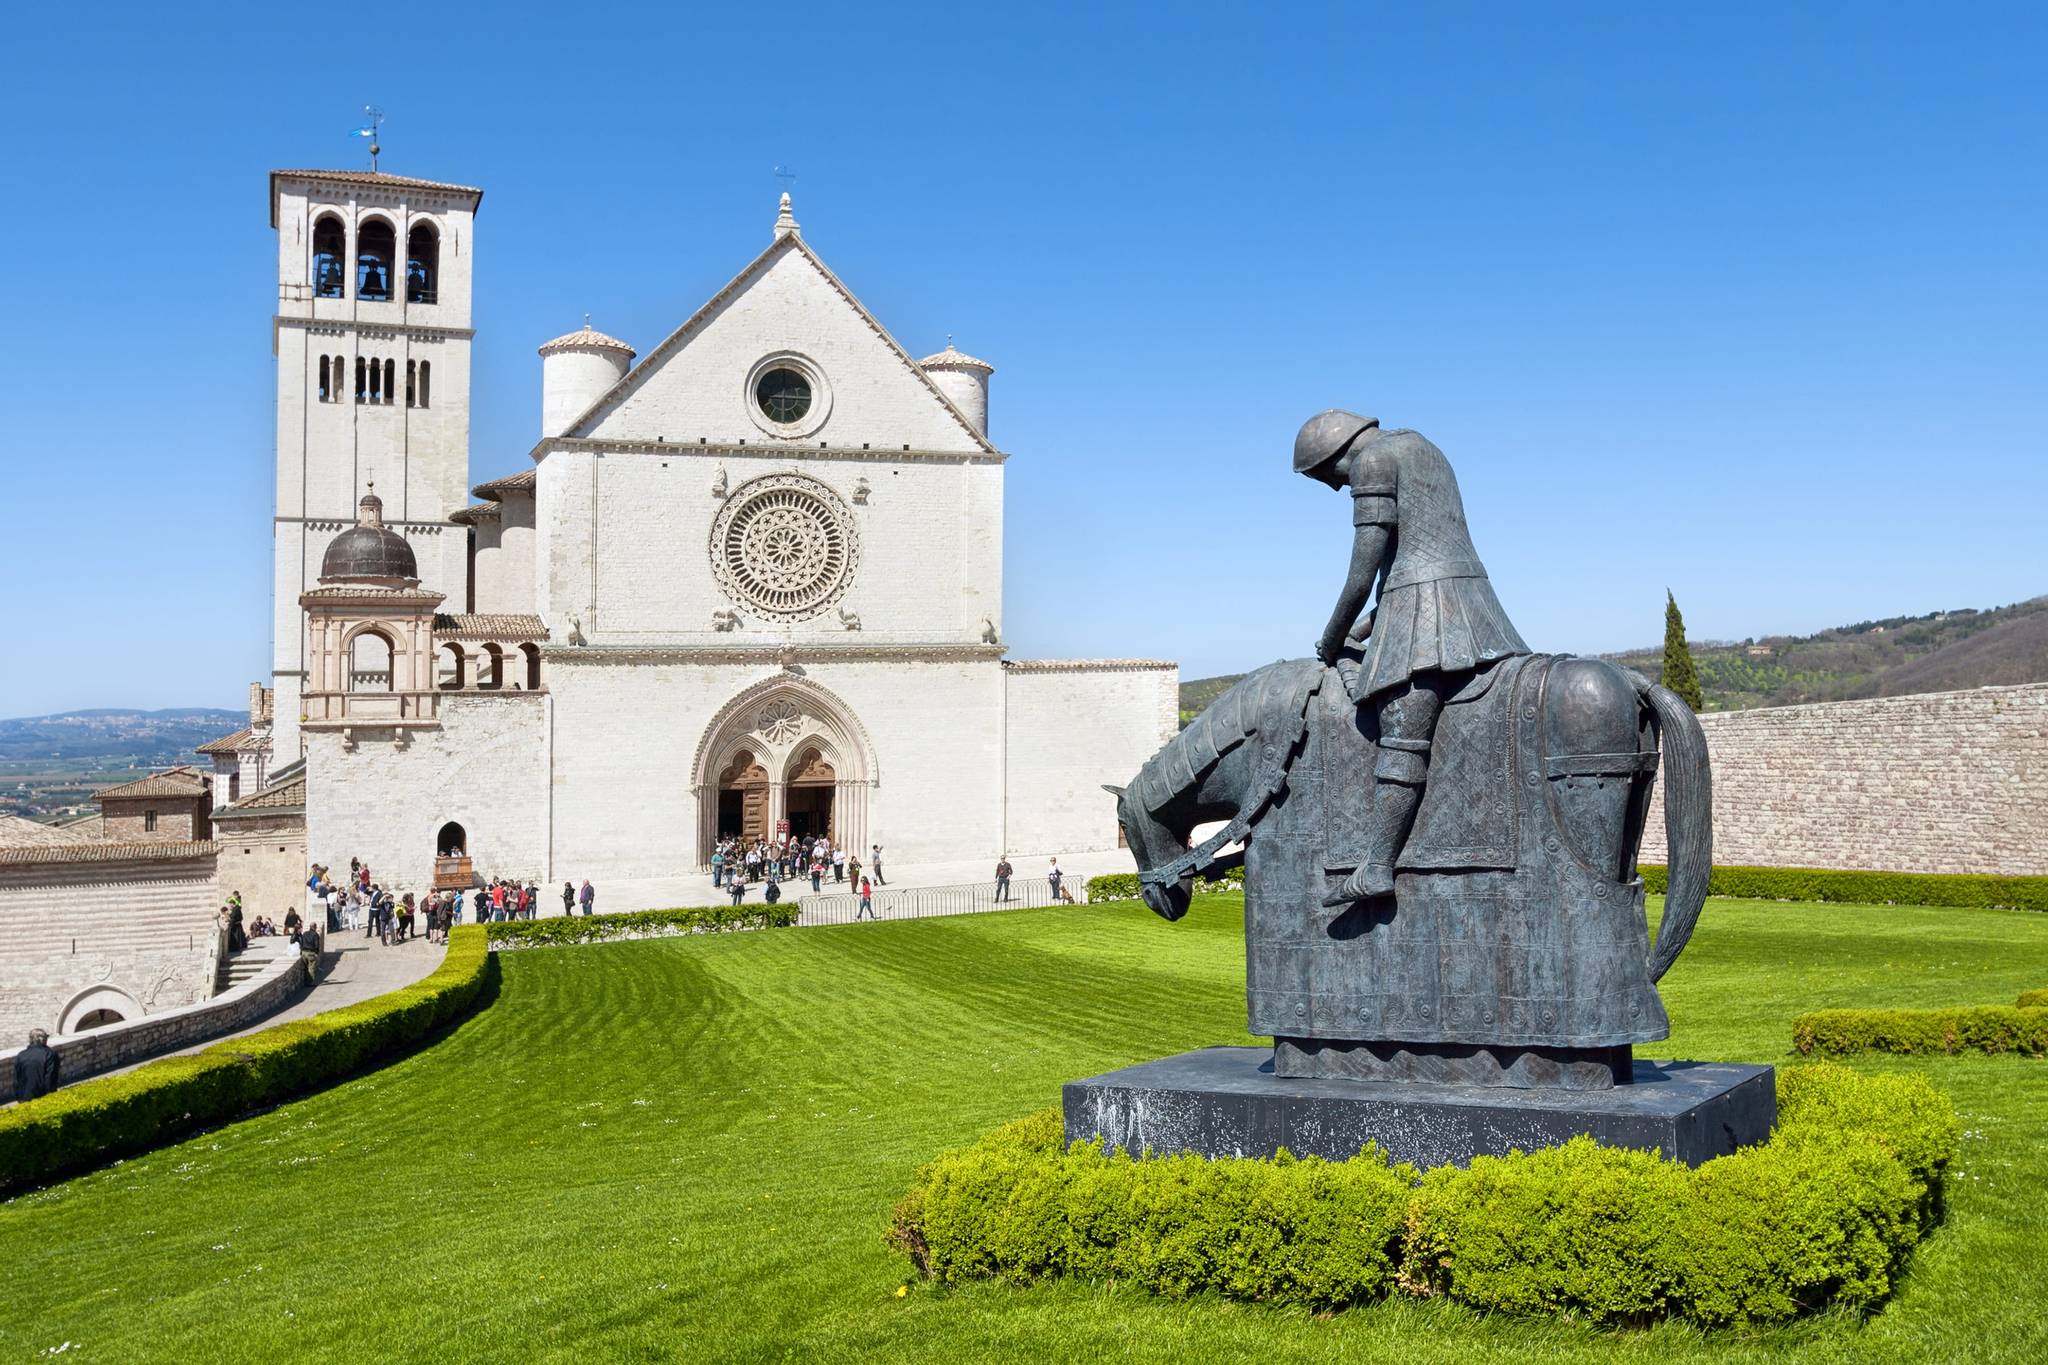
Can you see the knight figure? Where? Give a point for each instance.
(1437, 621)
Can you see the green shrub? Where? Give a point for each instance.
(1867, 888)
(2033, 1000)
(1825, 1211)
(1123, 886)
(80, 1125)
(1969, 1028)
(711, 919)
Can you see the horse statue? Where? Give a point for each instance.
(1515, 950)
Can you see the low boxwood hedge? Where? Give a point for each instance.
(83, 1124)
(2021, 1028)
(1123, 886)
(1867, 888)
(1825, 1211)
(558, 930)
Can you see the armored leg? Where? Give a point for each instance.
(1399, 769)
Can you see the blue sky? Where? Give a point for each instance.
(1743, 300)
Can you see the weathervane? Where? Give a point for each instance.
(370, 130)
(786, 176)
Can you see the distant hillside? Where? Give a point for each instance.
(114, 737)
(1944, 651)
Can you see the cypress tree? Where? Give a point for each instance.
(1681, 675)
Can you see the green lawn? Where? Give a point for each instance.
(687, 1149)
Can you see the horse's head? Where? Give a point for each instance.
(1151, 844)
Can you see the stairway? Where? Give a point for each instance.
(240, 968)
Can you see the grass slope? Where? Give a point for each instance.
(686, 1149)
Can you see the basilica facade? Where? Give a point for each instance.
(749, 583)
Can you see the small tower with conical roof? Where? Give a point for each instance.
(575, 371)
(963, 379)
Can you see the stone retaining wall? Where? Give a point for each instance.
(1942, 782)
(82, 1055)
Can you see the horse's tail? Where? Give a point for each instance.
(1688, 822)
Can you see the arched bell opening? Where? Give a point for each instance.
(376, 252)
(330, 259)
(452, 841)
(422, 264)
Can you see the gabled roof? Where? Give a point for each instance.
(784, 242)
(18, 832)
(226, 744)
(476, 512)
(279, 798)
(172, 782)
(377, 179)
(160, 850)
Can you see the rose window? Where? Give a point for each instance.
(785, 546)
(780, 720)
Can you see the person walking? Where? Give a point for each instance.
(588, 896)
(875, 863)
(1003, 870)
(1053, 878)
(773, 891)
(867, 901)
(838, 864)
(738, 887)
(35, 1067)
(718, 866)
(568, 898)
(817, 873)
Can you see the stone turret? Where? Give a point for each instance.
(575, 371)
(370, 551)
(963, 379)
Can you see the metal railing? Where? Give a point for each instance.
(927, 902)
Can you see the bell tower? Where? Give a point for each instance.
(372, 338)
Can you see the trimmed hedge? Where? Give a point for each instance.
(566, 929)
(1867, 888)
(87, 1123)
(1123, 886)
(1825, 1211)
(2021, 1028)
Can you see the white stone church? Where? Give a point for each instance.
(749, 584)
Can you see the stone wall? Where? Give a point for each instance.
(1073, 726)
(80, 1055)
(126, 927)
(1943, 782)
(265, 860)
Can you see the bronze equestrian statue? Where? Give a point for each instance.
(1440, 828)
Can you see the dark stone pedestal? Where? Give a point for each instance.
(1226, 1101)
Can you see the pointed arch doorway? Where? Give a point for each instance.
(788, 750)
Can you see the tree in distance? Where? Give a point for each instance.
(1681, 675)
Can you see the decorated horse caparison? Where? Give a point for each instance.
(1439, 827)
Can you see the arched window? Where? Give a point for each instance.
(330, 257)
(491, 668)
(454, 667)
(422, 263)
(375, 393)
(326, 395)
(362, 379)
(390, 380)
(376, 250)
(531, 653)
(426, 379)
(451, 842)
(369, 662)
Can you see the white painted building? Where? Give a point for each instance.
(752, 582)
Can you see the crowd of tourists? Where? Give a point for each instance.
(737, 864)
(360, 901)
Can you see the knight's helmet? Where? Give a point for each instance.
(1325, 436)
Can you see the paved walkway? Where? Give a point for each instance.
(358, 968)
(695, 889)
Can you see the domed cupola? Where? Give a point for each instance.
(575, 371)
(369, 550)
(963, 379)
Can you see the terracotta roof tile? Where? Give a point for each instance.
(226, 744)
(487, 626)
(586, 336)
(17, 832)
(160, 850)
(287, 795)
(511, 483)
(180, 781)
